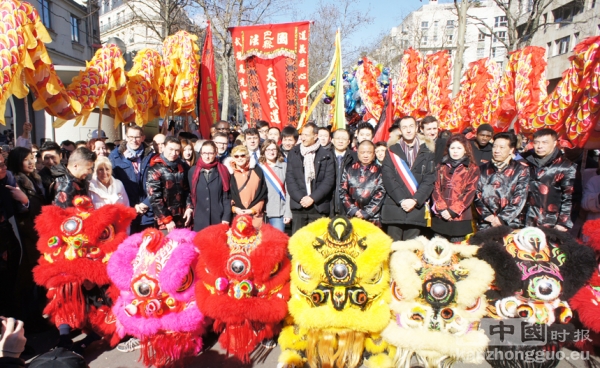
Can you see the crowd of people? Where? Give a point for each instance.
(422, 181)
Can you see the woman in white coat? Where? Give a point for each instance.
(104, 189)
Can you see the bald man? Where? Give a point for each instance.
(159, 143)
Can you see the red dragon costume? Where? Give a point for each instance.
(76, 244)
(244, 283)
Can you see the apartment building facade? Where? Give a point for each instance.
(434, 27)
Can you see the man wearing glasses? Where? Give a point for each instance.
(263, 130)
(252, 142)
(221, 141)
(130, 163)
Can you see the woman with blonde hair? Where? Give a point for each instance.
(248, 187)
(104, 189)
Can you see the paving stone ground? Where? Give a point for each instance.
(100, 356)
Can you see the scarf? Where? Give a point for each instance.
(203, 165)
(133, 155)
(235, 167)
(309, 163)
(410, 152)
(454, 164)
(501, 165)
(172, 165)
(541, 161)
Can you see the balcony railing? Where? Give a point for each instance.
(119, 21)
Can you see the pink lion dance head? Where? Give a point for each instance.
(157, 303)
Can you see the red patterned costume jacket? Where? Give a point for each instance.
(550, 191)
(454, 190)
(244, 282)
(76, 244)
(502, 193)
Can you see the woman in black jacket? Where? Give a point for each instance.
(22, 164)
(209, 185)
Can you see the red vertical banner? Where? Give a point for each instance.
(209, 102)
(272, 67)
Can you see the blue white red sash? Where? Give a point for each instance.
(274, 180)
(405, 173)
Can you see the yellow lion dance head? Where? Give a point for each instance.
(339, 295)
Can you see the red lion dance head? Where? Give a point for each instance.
(587, 300)
(76, 244)
(244, 283)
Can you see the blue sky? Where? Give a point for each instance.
(386, 14)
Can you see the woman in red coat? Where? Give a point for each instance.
(454, 190)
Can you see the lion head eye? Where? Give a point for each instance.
(302, 275)
(108, 233)
(72, 225)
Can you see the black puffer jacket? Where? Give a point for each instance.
(503, 194)
(31, 185)
(550, 191)
(66, 187)
(423, 170)
(168, 189)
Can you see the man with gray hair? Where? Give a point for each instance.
(310, 179)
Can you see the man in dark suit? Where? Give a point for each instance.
(344, 156)
(408, 177)
(310, 179)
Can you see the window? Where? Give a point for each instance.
(576, 38)
(501, 21)
(424, 25)
(498, 52)
(74, 28)
(562, 45)
(500, 36)
(564, 14)
(480, 52)
(593, 5)
(45, 12)
(436, 23)
(435, 38)
(481, 36)
(548, 49)
(450, 38)
(450, 24)
(424, 40)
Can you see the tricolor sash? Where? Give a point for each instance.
(405, 173)
(274, 180)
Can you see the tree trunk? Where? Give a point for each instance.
(460, 44)
(225, 89)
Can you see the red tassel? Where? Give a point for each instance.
(66, 305)
(241, 339)
(167, 350)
